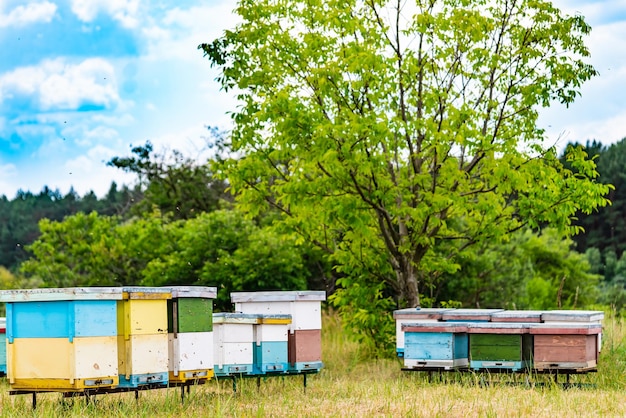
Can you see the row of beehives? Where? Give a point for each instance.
(77, 339)
(498, 339)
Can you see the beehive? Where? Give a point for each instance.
(271, 343)
(305, 330)
(500, 345)
(76, 328)
(142, 339)
(413, 315)
(565, 346)
(190, 333)
(233, 337)
(575, 317)
(441, 345)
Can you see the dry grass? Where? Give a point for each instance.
(350, 387)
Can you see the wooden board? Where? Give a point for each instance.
(143, 354)
(190, 315)
(561, 349)
(305, 346)
(142, 317)
(189, 351)
(469, 314)
(61, 319)
(66, 365)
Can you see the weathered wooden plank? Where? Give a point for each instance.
(278, 296)
(519, 316)
(469, 314)
(63, 294)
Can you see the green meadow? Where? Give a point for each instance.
(355, 385)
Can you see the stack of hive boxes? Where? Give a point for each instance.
(305, 329)
(107, 337)
(190, 333)
(62, 339)
(250, 344)
(497, 339)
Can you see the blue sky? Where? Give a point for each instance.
(83, 80)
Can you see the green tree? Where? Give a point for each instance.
(175, 184)
(395, 128)
(224, 249)
(90, 250)
(530, 270)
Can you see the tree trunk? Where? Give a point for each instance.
(409, 282)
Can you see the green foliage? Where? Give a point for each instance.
(366, 315)
(177, 185)
(530, 271)
(605, 228)
(220, 249)
(19, 217)
(409, 134)
(224, 249)
(82, 250)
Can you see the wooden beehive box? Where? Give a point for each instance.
(271, 344)
(233, 338)
(75, 328)
(142, 336)
(500, 345)
(190, 333)
(559, 346)
(442, 345)
(413, 315)
(469, 315)
(305, 330)
(575, 317)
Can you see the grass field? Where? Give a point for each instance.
(351, 387)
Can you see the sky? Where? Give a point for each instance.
(82, 81)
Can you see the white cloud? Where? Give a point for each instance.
(30, 13)
(58, 85)
(180, 31)
(89, 172)
(7, 172)
(124, 11)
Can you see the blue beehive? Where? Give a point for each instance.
(413, 315)
(442, 345)
(271, 343)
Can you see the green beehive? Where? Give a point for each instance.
(500, 346)
(190, 309)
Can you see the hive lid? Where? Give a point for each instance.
(420, 313)
(61, 294)
(434, 327)
(192, 291)
(555, 328)
(140, 292)
(469, 314)
(278, 296)
(498, 328)
(274, 318)
(235, 318)
(572, 316)
(517, 316)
